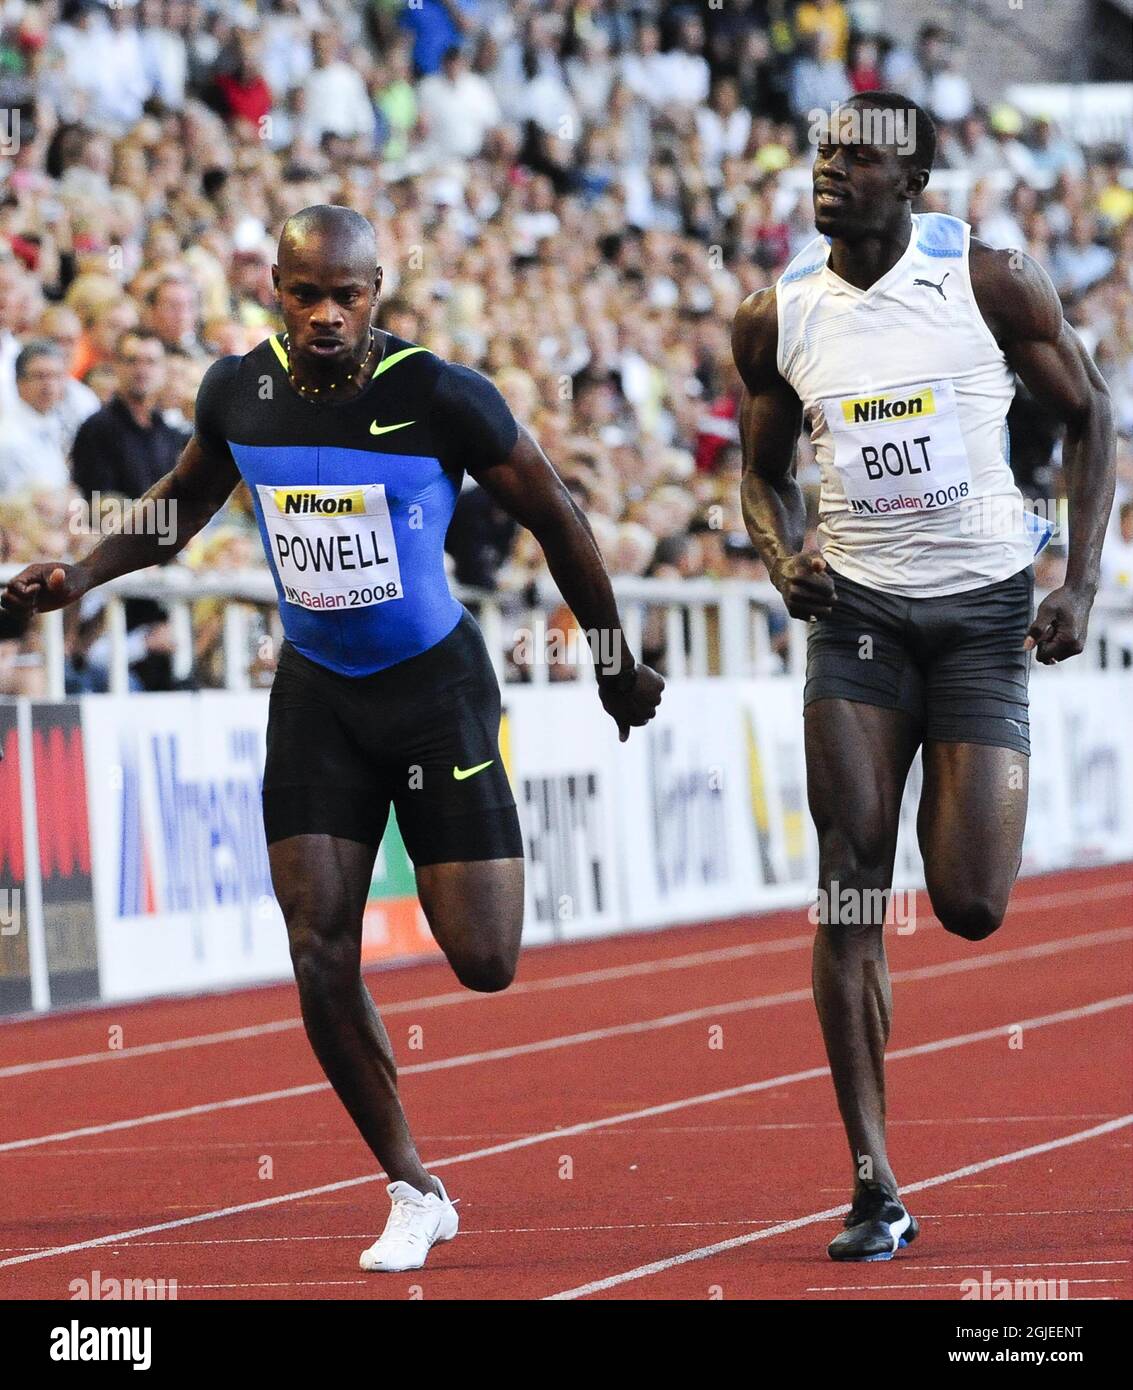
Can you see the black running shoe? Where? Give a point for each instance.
(877, 1226)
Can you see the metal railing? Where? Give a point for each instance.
(689, 627)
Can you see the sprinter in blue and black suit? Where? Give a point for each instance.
(354, 444)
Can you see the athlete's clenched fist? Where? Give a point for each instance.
(631, 697)
(1059, 629)
(41, 588)
(805, 583)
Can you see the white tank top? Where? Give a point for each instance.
(906, 395)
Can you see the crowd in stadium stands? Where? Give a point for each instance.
(570, 197)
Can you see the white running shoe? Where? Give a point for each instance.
(417, 1222)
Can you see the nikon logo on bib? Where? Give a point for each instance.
(332, 546)
(298, 500)
(899, 451)
(870, 408)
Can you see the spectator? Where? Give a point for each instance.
(591, 74)
(723, 125)
(1081, 260)
(102, 66)
(336, 97)
(287, 58)
(173, 313)
(126, 446)
(969, 147)
(33, 437)
(479, 538)
(864, 65)
(105, 314)
(165, 59)
(645, 69)
(397, 102)
(61, 326)
(458, 108)
(1052, 156)
(103, 381)
(827, 17)
(435, 26)
(686, 74)
(244, 93)
(944, 92)
(819, 80)
(11, 284)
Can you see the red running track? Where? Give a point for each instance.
(644, 1117)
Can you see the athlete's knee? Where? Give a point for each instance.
(974, 918)
(325, 960)
(486, 971)
(854, 857)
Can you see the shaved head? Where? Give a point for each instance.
(328, 281)
(341, 233)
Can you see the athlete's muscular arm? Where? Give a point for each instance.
(528, 488)
(771, 499)
(192, 491)
(1022, 309)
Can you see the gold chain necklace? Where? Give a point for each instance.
(351, 380)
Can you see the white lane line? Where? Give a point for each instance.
(201, 1146)
(605, 975)
(736, 1242)
(955, 1284)
(467, 1059)
(629, 1226)
(1030, 1264)
(281, 1284)
(690, 960)
(590, 1126)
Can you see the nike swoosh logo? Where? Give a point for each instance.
(461, 773)
(375, 428)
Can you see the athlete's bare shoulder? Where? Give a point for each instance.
(1014, 294)
(755, 339)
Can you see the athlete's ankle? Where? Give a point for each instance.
(885, 1182)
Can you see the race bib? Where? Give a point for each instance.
(332, 546)
(900, 450)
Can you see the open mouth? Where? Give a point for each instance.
(830, 198)
(326, 347)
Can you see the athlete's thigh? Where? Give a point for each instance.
(454, 802)
(321, 883)
(972, 815)
(976, 670)
(977, 745)
(857, 761)
(475, 909)
(318, 778)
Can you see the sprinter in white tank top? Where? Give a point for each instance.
(897, 338)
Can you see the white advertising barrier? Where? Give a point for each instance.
(183, 896)
(778, 819)
(561, 749)
(1080, 802)
(1091, 733)
(684, 834)
(700, 815)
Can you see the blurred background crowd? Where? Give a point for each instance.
(570, 197)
